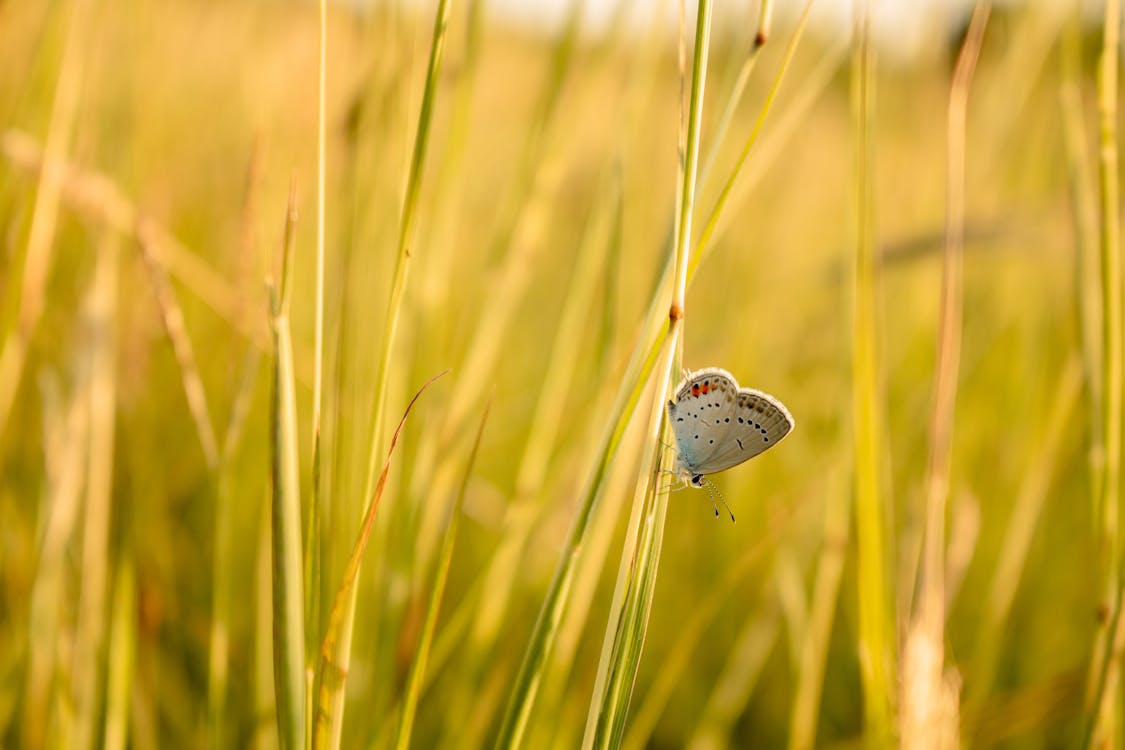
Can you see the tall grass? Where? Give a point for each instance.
(200, 549)
(876, 640)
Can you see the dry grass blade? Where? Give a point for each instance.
(98, 198)
(930, 715)
(92, 611)
(41, 235)
(332, 674)
(422, 652)
(173, 318)
(814, 648)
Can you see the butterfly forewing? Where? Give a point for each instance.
(719, 425)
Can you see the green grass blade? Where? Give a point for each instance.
(421, 654)
(876, 635)
(287, 567)
(122, 655)
(620, 658)
(332, 668)
(1107, 722)
(814, 647)
(328, 734)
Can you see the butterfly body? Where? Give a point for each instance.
(718, 424)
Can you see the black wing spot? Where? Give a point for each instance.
(697, 437)
(727, 419)
(737, 440)
(740, 420)
(716, 421)
(712, 441)
(681, 419)
(765, 438)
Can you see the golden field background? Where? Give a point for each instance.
(135, 574)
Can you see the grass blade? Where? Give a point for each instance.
(287, 570)
(329, 720)
(930, 715)
(418, 668)
(1106, 722)
(332, 669)
(620, 658)
(876, 641)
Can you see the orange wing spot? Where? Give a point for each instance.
(695, 390)
(705, 389)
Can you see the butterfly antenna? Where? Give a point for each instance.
(711, 488)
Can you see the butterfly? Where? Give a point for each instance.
(718, 425)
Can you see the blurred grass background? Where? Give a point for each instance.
(135, 487)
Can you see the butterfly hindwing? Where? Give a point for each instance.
(718, 425)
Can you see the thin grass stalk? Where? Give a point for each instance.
(314, 516)
(321, 125)
(547, 418)
(421, 653)
(504, 568)
(682, 651)
(407, 226)
(1107, 721)
(528, 188)
(39, 255)
(223, 575)
(330, 715)
(545, 630)
(264, 700)
(92, 615)
(332, 677)
(814, 646)
(735, 685)
(1018, 535)
(573, 628)
(1084, 205)
(751, 139)
(765, 13)
(620, 662)
(287, 567)
(64, 429)
(172, 315)
(122, 655)
(95, 196)
(876, 640)
(541, 642)
(929, 715)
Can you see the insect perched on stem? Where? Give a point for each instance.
(718, 425)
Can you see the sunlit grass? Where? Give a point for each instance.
(197, 546)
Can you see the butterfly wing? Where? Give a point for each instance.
(718, 425)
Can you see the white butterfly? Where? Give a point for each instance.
(719, 425)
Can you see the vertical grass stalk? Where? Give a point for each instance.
(332, 676)
(930, 701)
(620, 659)
(421, 654)
(330, 714)
(287, 570)
(1106, 718)
(876, 641)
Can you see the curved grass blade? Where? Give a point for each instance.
(418, 668)
(333, 669)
